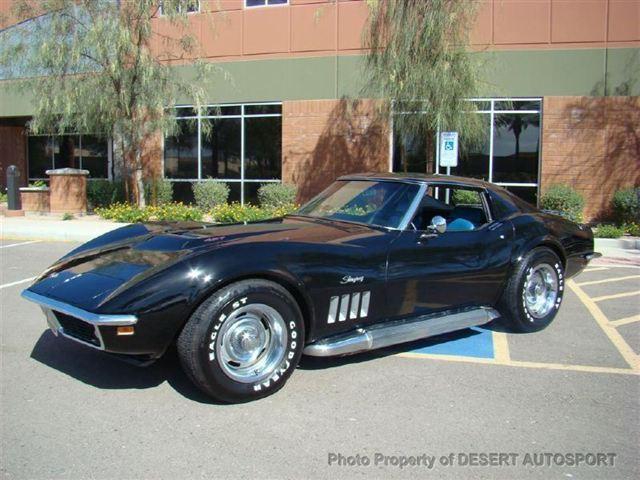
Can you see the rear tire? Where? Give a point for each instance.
(243, 342)
(534, 292)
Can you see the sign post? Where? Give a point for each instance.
(448, 149)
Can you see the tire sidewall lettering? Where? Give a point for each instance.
(280, 372)
(560, 277)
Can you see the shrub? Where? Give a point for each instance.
(169, 212)
(626, 205)
(608, 231)
(564, 200)
(172, 212)
(38, 184)
(632, 229)
(101, 193)
(123, 212)
(274, 195)
(68, 216)
(3, 197)
(210, 194)
(235, 213)
(465, 197)
(158, 191)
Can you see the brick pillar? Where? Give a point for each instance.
(68, 190)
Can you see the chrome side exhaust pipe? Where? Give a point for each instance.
(399, 331)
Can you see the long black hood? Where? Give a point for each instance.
(92, 274)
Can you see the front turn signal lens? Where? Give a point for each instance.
(125, 331)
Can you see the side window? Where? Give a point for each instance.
(462, 208)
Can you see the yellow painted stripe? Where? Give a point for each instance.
(615, 295)
(625, 321)
(521, 364)
(596, 269)
(608, 280)
(623, 347)
(500, 347)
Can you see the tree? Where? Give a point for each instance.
(101, 66)
(419, 63)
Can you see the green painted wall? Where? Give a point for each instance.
(519, 73)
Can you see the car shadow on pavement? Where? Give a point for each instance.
(106, 372)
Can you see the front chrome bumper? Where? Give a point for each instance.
(50, 307)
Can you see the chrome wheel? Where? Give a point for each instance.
(251, 343)
(541, 290)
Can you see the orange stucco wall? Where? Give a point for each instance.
(227, 30)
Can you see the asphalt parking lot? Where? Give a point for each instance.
(71, 412)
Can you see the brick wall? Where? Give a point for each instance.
(12, 152)
(593, 145)
(323, 139)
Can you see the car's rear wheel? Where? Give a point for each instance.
(243, 342)
(534, 292)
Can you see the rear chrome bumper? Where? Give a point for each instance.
(52, 308)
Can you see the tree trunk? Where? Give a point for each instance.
(139, 184)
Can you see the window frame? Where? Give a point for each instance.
(265, 4)
(486, 207)
(492, 112)
(53, 161)
(202, 114)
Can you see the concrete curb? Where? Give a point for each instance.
(70, 230)
(629, 243)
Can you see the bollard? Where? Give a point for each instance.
(13, 194)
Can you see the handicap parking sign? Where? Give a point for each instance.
(448, 149)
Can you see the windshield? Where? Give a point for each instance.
(363, 201)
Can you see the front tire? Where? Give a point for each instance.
(243, 342)
(534, 292)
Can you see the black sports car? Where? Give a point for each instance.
(374, 260)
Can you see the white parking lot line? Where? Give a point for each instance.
(20, 244)
(7, 285)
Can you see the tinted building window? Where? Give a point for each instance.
(233, 130)
(181, 151)
(508, 156)
(221, 149)
(516, 141)
(40, 156)
(88, 152)
(263, 148)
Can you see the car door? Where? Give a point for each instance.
(429, 272)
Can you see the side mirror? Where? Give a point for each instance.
(438, 225)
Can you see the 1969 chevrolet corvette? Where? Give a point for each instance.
(374, 260)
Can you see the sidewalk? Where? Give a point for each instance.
(52, 227)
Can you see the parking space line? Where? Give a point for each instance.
(20, 244)
(616, 295)
(501, 347)
(608, 280)
(522, 364)
(623, 347)
(596, 269)
(625, 321)
(7, 285)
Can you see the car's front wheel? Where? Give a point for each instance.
(243, 342)
(534, 292)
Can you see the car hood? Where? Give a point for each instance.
(92, 274)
